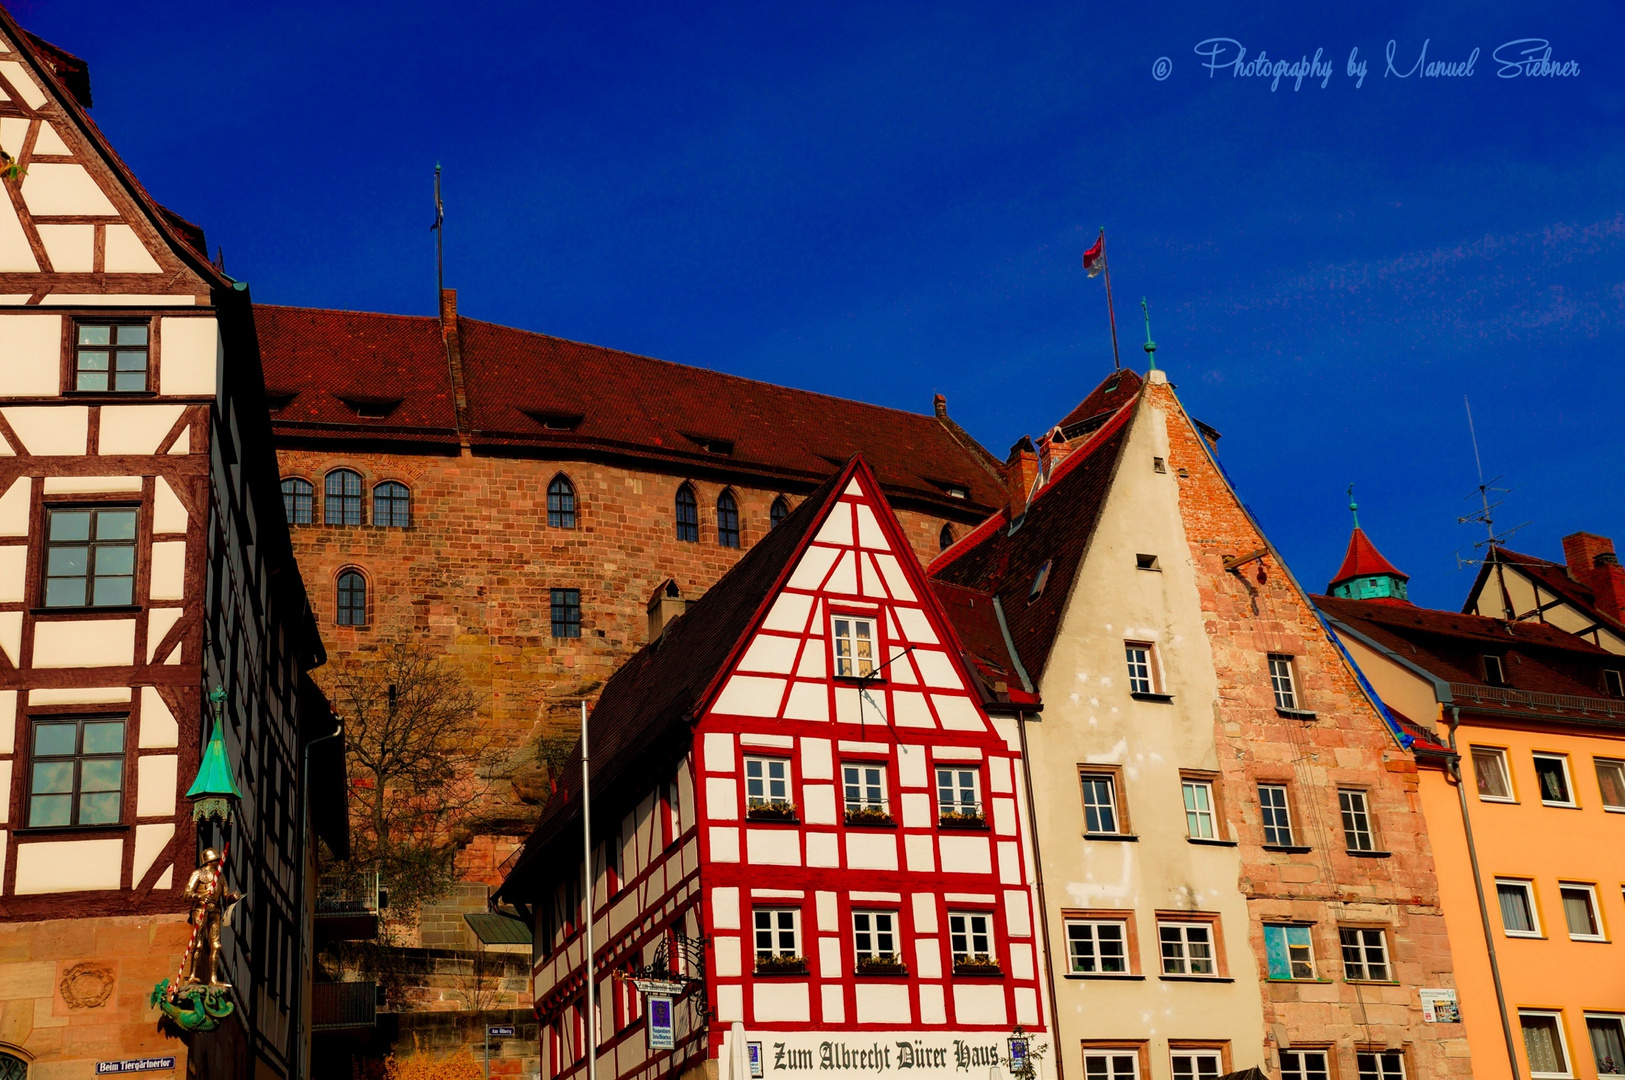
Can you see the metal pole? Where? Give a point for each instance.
(1111, 310)
(586, 846)
(487, 1052)
(439, 240)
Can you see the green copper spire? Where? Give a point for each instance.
(214, 790)
(1150, 346)
(1354, 507)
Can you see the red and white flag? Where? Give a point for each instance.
(1094, 260)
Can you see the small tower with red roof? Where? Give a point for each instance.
(1365, 574)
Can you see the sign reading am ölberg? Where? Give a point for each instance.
(944, 1055)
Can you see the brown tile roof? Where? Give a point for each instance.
(976, 624)
(532, 394)
(1112, 394)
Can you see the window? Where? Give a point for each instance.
(90, 558)
(727, 520)
(1611, 781)
(1304, 1065)
(970, 938)
(1613, 683)
(76, 772)
(1277, 817)
(1580, 911)
(1494, 673)
(1490, 769)
(561, 503)
(945, 538)
(1286, 695)
(342, 502)
(674, 812)
(1199, 820)
(566, 612)
(12, 1067)
(1607, 1044)
(1353, 805)
(352, 599)
(1121, 1065)
(767, 783)
(1141, 672)
(777, 512)
(1187, 948)
(1552, 770)
(854, 646)
(392, 505)
(1099, 803)
(776, 933)
(299, 500)
(1198, 1064)
(1365, 954)
(1097, 947)
(1146, 562)
(1381, 1064)
(1289, 952)
(1517, 908)
(1040, 579)
(111, 356)
(1543, 1042)
(958, 797)
(688, 516)
(1159, 465)
(874, 936)
(864, 784)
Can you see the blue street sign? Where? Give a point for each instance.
(503, 1032)
(131, 1065)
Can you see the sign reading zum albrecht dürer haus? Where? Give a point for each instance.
(937, 1054)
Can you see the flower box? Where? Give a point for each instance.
(756, 810)
(961, 819)
(781, 965)
(867, 815)
(887, 964)
(980, 964)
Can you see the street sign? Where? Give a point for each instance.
(134, 1065)
(662, 1032)
(668, 987)
(500, 1032)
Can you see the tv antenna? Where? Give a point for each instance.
(1485, 516)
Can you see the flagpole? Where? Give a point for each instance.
(1111, 311)
(439, 241)
(591, 1023)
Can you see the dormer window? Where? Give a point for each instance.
(1040, 579)
(1494, 673)
(723, 447)
(958, 493)
(372, 408)
(554, 421)
(1613, 683)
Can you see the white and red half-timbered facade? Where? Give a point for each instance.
(144, 561)
(810, 815)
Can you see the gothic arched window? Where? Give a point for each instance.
(688, 515)
(352, 598)
(561, 503)
(778, 512)
(392, 504)
(727, 520)
(299, 500)
(342, 502)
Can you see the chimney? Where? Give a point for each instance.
(1058, 448)
(1020, 471)
(454, 359)
(940, 405)
(664, 607)
(1592, 563)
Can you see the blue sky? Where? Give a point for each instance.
(886, 201)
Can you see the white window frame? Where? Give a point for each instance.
(1184, 942)
(881, 922)
(863, 802)
(1500, 755)
(1300, 1070)
(1195, 814)
(1381, 1058)
(1528, 888)
(1308, 958)
(775, 929)
(1094, 925)
(1215, 1057)
(1361, 970)
(766, 764)
(959, 806)
(1619, 1023)
(1613, 681)
(852, 664)
(969, 934)
(1356, 803)
(1285, 810)
(1590, 891)
(1568, 778)
(1495, 670)
(1613, 763)
(1113, 1057)
(1087, 781)
(1556, 1018)
(1152, 681)
(1283, 682)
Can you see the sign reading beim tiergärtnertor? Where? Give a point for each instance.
(131, 1065)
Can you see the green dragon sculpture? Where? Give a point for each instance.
(194, 1008)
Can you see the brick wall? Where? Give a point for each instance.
(1251, 613)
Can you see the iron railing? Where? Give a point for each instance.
(1507, 698)
(343, 1005)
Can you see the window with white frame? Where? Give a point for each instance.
(1381, 1064)
(1197, 1064)
(1544, 1043)
(864, 786)
(1365, 953)
(1580, 911)
(1611, 782)
(970, 937)
(1290, 951)
(874, 936)
(778, 933)
(1200, 823)
(1099, 803)
(959, 792)
(1276, 815)
(1552, 770)
(1355, 808)
(1607, 1032)
(1142, 671)
(1187, 948)
(1517, 899)
(1304, 1065)
(1111, 1065)
(1097, 947)
(767, 783)
(1286, 691)
(855, 641)
(1490, 770)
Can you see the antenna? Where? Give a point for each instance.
(438, 228)
(1485, 517)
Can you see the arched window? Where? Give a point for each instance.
(342, 502)
(392, 504)
(778, 512)
(945, 539)
(12, 1067)
(727, 520)
(688, 515)
(299, 500)
(352, 598)
(561, 503)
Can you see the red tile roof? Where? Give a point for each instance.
(1364, 560)
(1112, 394)
(982, 642)
(597, 401)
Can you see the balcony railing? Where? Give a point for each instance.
(1504, 697)
(347, 906)
(343, 1006)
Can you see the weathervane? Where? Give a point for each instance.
(1150, 346)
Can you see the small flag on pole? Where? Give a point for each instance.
(1094, 260)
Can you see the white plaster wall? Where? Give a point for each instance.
(14, 507)
(155, 785)
(50, 430)
(784, 1001)
(88, 643)
(32, 347)
(188, 351)
(136, 429)
(883, 1003)
(68, 866)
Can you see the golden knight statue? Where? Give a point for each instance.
(211, 909)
